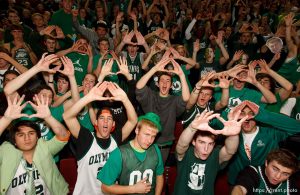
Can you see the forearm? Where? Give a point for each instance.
(59, 129)
(74, 89)
(268, 95)
(224, 99)
(117, 189)
(19, 81)
(4, 123)
(64, 52)
(191, 62)
(61, 99)
(287, 87)
(188, 30)
(143, 81)
(17, 65)
(193, 98)
(120, 47)
(159, 184)
(90, 64)
(146, 62)
(224, 54)
(184, 141)
(278, 121)
(231, 145)
(184, 88)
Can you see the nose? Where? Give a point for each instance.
(206, 148)
(277, 175)
(26, 137)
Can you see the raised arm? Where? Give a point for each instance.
(184, 86)
(158, 67)
(13, 62)
(13, 111)
(42, 65)
(225, 55)
(70, 73)
(204, 82)
(199, 123)
(286, 88)
(42, 111)
(70, 115)
(292, 48)
(224, 85)
(268, 96)
(119, 95)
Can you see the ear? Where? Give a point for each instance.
(266, 163)
(113, 127)
(193, 142)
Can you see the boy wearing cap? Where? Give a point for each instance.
(138, 165)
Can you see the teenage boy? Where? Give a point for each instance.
(93, 149)
(137, 165)
(199, 163)
(274, 177)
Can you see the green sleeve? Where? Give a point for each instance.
(57, 112)
(160, 166)
(278, 121)
(112, 168)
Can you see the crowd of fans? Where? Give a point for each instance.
(106, 82)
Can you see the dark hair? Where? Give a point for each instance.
(38, 89)
(15, 128)
(163, 73)
(204, 134)
(12, 11)
(284, 157)
(11, 72)
(102, 39)
(102, 109)
(16, 27)
(260, 76)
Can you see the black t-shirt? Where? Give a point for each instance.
(250, 179)
(85, 140)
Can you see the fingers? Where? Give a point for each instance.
(243, 119)
(221, 119)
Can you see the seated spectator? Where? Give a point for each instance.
(273, 177)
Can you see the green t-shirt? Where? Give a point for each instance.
(80, 62)
(291, 70)
(238, 96)
(113, 167)
(114, 69)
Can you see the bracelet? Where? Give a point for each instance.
(50, 81)
(192, 129)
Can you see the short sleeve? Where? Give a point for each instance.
(112, 168)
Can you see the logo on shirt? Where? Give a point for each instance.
(260, 143)
(197, 176)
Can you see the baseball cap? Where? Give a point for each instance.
(152, 117)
